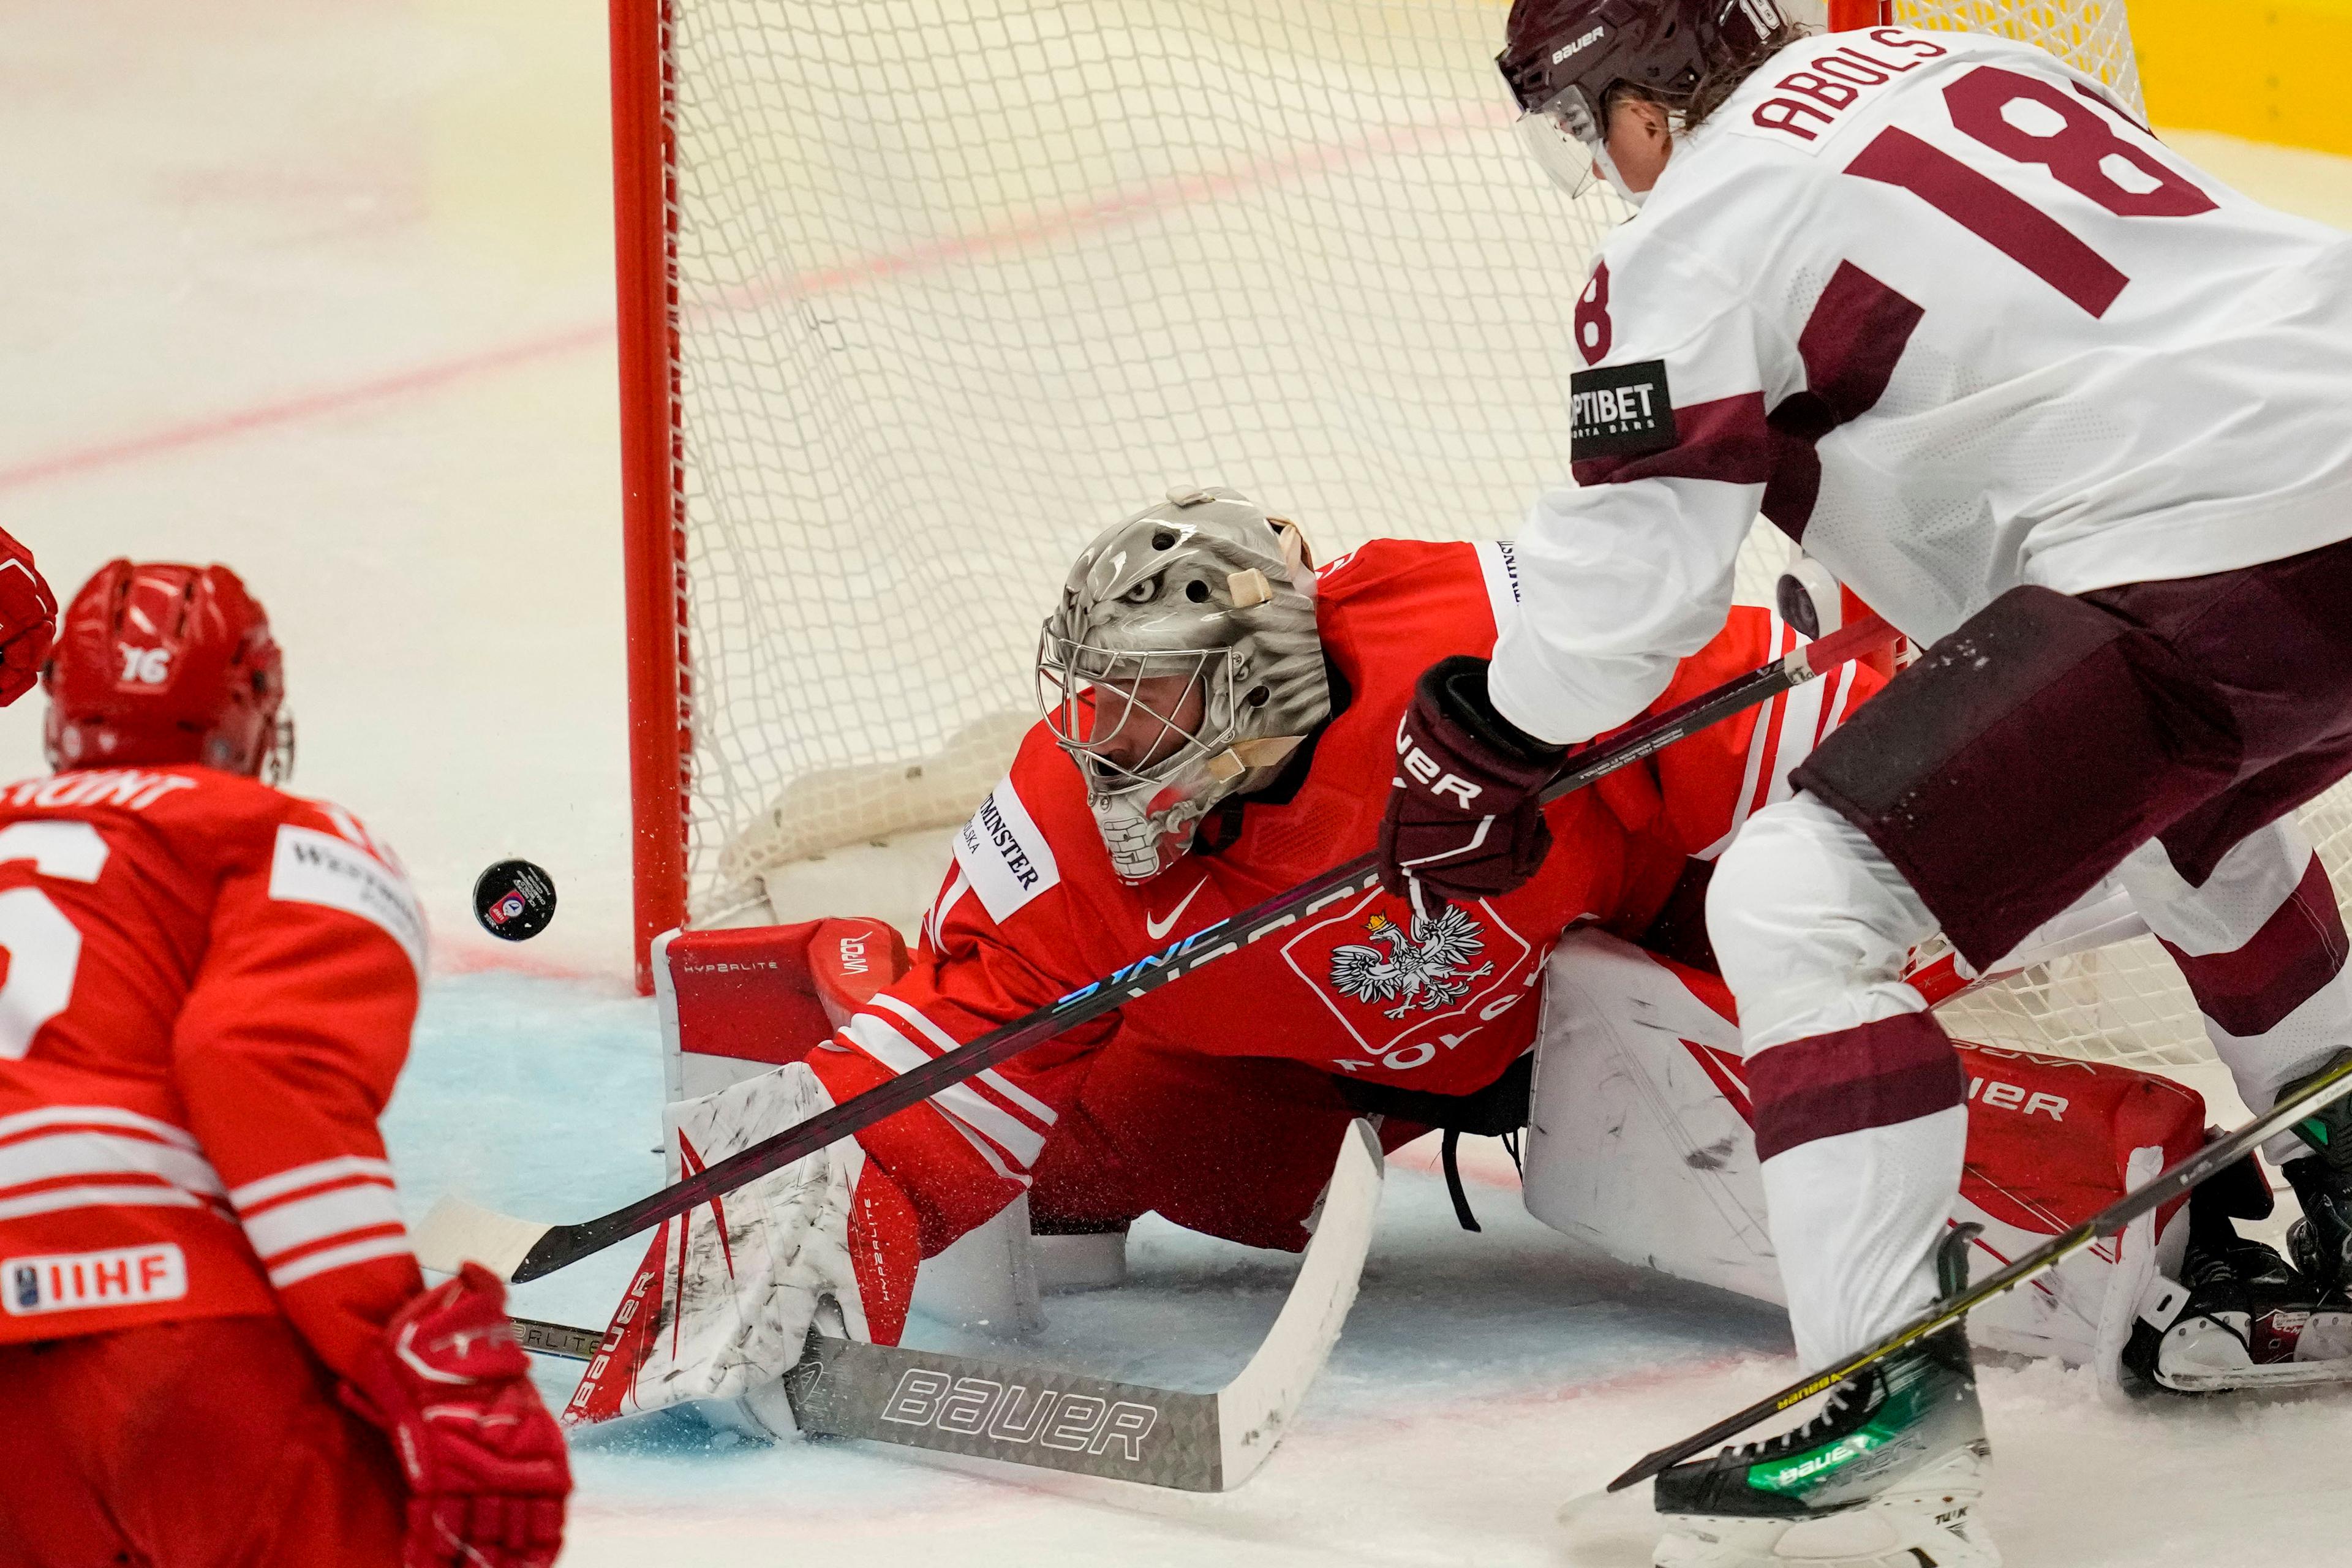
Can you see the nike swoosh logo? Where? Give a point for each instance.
(1161, 928)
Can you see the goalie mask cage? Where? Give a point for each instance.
(917, 296)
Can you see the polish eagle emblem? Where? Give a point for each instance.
(1421, 969)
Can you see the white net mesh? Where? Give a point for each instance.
(962, 281)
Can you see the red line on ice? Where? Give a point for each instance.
(1091, 217)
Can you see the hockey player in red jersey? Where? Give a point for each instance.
(1219, 715)
(216, 1347)
(2075, 418)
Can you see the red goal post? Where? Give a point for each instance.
(1847, 15)
(653, 500)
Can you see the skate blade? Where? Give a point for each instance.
(1610, 1530)
(2258, 1379)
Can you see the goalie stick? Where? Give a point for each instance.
(521, 1251)
(2209, 1161)
(1069, 1421)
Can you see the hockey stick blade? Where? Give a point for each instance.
(2168, 1185)
(1069, 1421)
(457, 1231)
(566, 1244)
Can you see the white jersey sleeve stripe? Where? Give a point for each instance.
(99, 1196)
(50, 1156)
(344, 1167)
(306, 1221)
(23, 1121)
(1781, 639)
(313, 1264)
(958, 1102)
(956, 888)
(1020, 1098)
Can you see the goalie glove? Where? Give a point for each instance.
(1465, 815)
(722, 1306)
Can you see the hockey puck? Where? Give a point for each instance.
(514, 900)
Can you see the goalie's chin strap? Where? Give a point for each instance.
(1497, 1111)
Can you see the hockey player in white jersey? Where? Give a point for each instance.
(2077, 418)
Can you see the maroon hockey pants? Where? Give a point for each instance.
(215, 1443)
(2026, 753)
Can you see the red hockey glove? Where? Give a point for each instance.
(485, 1461)
(1463, 819)
(28, 620)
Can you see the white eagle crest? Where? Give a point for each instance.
(1422, 970)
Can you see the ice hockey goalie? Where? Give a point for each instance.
(1220, 725)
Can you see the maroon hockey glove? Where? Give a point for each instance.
(1464, 820)
(485, 1461)
(28, 620)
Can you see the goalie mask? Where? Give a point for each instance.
(1181, 666)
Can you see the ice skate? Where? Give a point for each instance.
(2245, 1317)
(2321, 1241)
(2242, 1317)
(1886, 1474)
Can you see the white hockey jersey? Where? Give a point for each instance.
(1950, 318)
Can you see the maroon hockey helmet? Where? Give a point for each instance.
(159, 663)
(1562, 58)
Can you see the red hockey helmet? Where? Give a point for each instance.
(159, 663)
(1562, 58)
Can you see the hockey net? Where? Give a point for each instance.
(918, 296)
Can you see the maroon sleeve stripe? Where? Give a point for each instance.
(2002, 220)
(1725, 439)
(1888, 1071)
(1850, 345)
(2298, 950)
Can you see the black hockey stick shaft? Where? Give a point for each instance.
(2209, 1162)
(557, 1339)
(567, 1243)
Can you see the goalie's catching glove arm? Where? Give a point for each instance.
(1465, 811)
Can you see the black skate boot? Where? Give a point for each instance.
(1885, 1476)
(2321, 1241)
(2250, 1319)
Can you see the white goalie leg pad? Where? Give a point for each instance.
(1639, 1145)
(751, 1270)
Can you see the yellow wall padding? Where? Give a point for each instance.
(2270, 72)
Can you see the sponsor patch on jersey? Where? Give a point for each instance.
(1002, 854)
(79, 1282)
(1498, 564)
(314, 867)
(1620, 411)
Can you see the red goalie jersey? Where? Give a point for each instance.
(208, 995)
(1359, 989)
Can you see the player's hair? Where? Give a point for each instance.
(1721, 81)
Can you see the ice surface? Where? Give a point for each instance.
(1482, 1380)
(323, 292)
